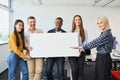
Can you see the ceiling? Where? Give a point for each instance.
(86, 3)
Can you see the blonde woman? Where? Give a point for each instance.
(35, 65)
(104, 45)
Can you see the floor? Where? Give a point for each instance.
(88, 71)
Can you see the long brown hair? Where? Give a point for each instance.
(82, 33)
(21, 33)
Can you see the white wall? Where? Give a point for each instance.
(3, 57)
(46, 14)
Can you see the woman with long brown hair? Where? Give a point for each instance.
(77, 63)
(16, 45)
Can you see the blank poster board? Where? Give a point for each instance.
(53, 44)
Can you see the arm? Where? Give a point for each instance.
(86, 37)
(13, 46)
(101, 40)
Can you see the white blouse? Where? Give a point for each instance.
(79, 38)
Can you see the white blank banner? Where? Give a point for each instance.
(53, 44)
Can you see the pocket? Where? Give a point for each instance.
(12, 56)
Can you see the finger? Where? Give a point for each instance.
(72, 47)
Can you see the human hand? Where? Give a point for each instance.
(29, 48)
(79, 55)
(76, 47)
(29, 57)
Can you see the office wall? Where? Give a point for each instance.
(3, 57)
(46, 14)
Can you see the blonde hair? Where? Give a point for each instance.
(105, 20)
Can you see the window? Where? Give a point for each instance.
(4, 2)
(4, 21)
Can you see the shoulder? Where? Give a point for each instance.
(51, 30)
(39, 30)
(26, 32)
(107, 32)
(85, 31)
(63, 30)
(12, 34)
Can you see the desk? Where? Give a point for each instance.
(115, 59)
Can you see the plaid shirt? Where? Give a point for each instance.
(104, 43)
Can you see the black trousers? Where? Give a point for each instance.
(77, 66)
(60, 67)
(103, 67)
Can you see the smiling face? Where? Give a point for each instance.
(19, 26)
(103, 23)
(77, 21)
(58, 24)
(32, 24)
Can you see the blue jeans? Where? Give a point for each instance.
(14, 61)
(60, 67)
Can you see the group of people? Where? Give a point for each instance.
(19, 41)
